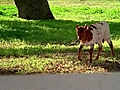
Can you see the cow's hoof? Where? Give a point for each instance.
(79, 59)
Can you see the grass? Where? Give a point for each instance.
(48, 46)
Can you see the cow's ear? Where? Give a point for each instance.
(77, 25)
(85, 26)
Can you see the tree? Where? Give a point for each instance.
(33, 9)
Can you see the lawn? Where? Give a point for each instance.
(48, 46)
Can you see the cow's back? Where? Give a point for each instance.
(100, 31)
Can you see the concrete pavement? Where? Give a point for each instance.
(61, 82)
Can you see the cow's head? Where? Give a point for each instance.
(80, 30)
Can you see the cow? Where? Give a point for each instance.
(93, 34)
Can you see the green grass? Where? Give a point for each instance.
(47, 46)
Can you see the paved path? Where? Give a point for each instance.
(61, 82)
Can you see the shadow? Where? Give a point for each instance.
(46, 31)
(107, 61)
(110, 66)
(39, 31)
(7, 71)
(30, 51)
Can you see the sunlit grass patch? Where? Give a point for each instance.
(8, 10)
(46, 65)
(84, 13)
(24, 65)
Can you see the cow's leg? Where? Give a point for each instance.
(91, 52)
(111, 46)
(99, 51)
(79, 53)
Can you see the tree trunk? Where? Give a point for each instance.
(33, 9)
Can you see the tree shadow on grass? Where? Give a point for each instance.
(38, 32)
(46, 31)
(7, 71)
(108, 62)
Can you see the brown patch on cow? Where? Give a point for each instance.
(88, 35)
